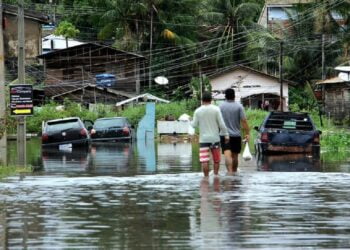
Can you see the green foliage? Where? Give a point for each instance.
(338, 140)
(66, 29)
(196, 86)
(301, 98)
(6, 171)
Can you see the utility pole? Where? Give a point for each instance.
(150, 50)
(21, 122)
(281, 75)
(323, 58)
(3, 136)
(200, 83)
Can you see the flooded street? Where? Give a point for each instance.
(154, 196)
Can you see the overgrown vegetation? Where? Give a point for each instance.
(12, 170)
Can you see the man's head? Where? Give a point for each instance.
(230, 94)
(206, 97)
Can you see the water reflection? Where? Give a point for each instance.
(111, 158)
(174, 156)
(54, 160)
(288, 162)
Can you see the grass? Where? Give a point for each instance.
(6, 171)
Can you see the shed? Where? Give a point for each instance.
(80, 64)
(252, 87)
(336, 94)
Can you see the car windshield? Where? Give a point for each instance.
(289, 121)
(62, 125)
(107, 123)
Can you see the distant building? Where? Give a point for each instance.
(276, 14)
(253, 88)
(336, 94)
(71, 68)
(52, 43)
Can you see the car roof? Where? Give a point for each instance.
(63, 119)
(111, 118)
(104, 75)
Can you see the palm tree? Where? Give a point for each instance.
(230, 21)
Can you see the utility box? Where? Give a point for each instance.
(173, 127)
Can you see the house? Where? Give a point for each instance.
(276, 14)
(252, 87)
(336, 94)
(33, 33)
(76, 66)
(52, 43)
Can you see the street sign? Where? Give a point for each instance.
(21, 100)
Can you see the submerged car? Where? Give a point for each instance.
(112, 129)
(288, 132)
(65, 133)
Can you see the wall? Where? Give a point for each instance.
(337, 102)
(32, 39)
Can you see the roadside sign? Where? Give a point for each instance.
(21, 100)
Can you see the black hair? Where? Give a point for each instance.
(230, 94)
(206, 97)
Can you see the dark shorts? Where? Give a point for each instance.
(206, 148)
(235, 144)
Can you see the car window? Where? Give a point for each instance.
(107, 123)
(292, 122)
(62, 125)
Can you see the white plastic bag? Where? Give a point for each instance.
(247, 156)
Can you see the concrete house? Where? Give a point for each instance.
(336, 94)
(276, 12)
(33, 33)
(253, 88)
(71, 68)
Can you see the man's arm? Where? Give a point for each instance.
(222, 126)
(194, 122)
(245, 126)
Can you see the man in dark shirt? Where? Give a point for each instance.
(234, 116)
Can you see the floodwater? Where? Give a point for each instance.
(153, 196)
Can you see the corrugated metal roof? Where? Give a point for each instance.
(332, 81)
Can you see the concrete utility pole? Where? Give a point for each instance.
(3, 138)
(21, 122)
(281, 75)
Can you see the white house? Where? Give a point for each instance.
(51, 43)
(253, 88)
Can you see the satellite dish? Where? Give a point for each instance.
(161, 80)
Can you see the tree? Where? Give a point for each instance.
(67, 30)
(229, 22)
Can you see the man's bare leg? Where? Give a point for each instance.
(234, 162)
(205, 168)
(228, 161)
(216, 168)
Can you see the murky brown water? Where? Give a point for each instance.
(130, 196)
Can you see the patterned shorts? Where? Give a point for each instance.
(206, 148)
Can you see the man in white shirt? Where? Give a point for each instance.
(211, 124)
